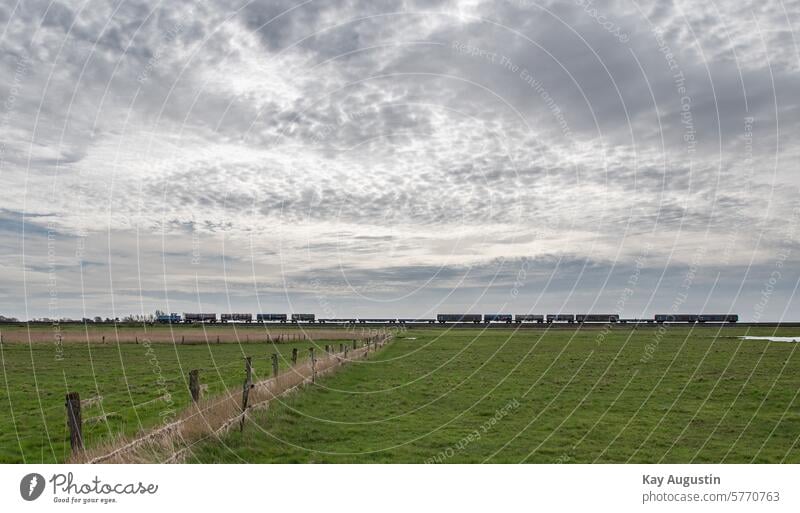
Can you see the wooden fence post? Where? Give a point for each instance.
(327, 349)
(74, 421)
(183, 339)
(194, 384)
(294, 356)
(354, 344)
(313, 365)
(341, 348)
(248, 384)
(275, 364)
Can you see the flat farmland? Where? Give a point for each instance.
(125, 387)
(674, 395)
(189, 333)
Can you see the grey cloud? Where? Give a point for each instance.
(180, 128)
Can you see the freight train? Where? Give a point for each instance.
(692, 318)
(308, 318)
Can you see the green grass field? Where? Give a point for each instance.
(558, 396)
(141, 386)
(562, 395)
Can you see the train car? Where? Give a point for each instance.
(271, 318)
(597, 318)
(662, 318)
(200, 317)
(560, 318)
(718, 318)
(476, 318)
(377, 321)
(337, 321)
(236, 317)
(497, 318)
(172, 318)
(417, 321)
(303, 317)
(529, 318)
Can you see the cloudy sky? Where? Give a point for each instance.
(402, 158)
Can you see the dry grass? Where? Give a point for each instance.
(209, 418)
(200, 334)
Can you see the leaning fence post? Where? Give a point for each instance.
(194, 384)
(248, 384)
(74, 421)
(294, 356)
(313, 365)
(275, 364)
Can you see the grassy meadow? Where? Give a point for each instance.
(432, 395)
(125, 387)
(570, 396)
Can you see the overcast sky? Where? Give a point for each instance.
(376, 158)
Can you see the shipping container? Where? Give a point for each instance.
(560, 318)
(200, 317)
(597, 318)
(529, 318)
(476, 318)
(236, 317)
(271, 317)
(676, 318)
(303, 317)
(718, 318)
(497, 318)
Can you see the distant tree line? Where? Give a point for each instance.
(132, 318)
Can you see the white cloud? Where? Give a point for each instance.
(372, 138)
